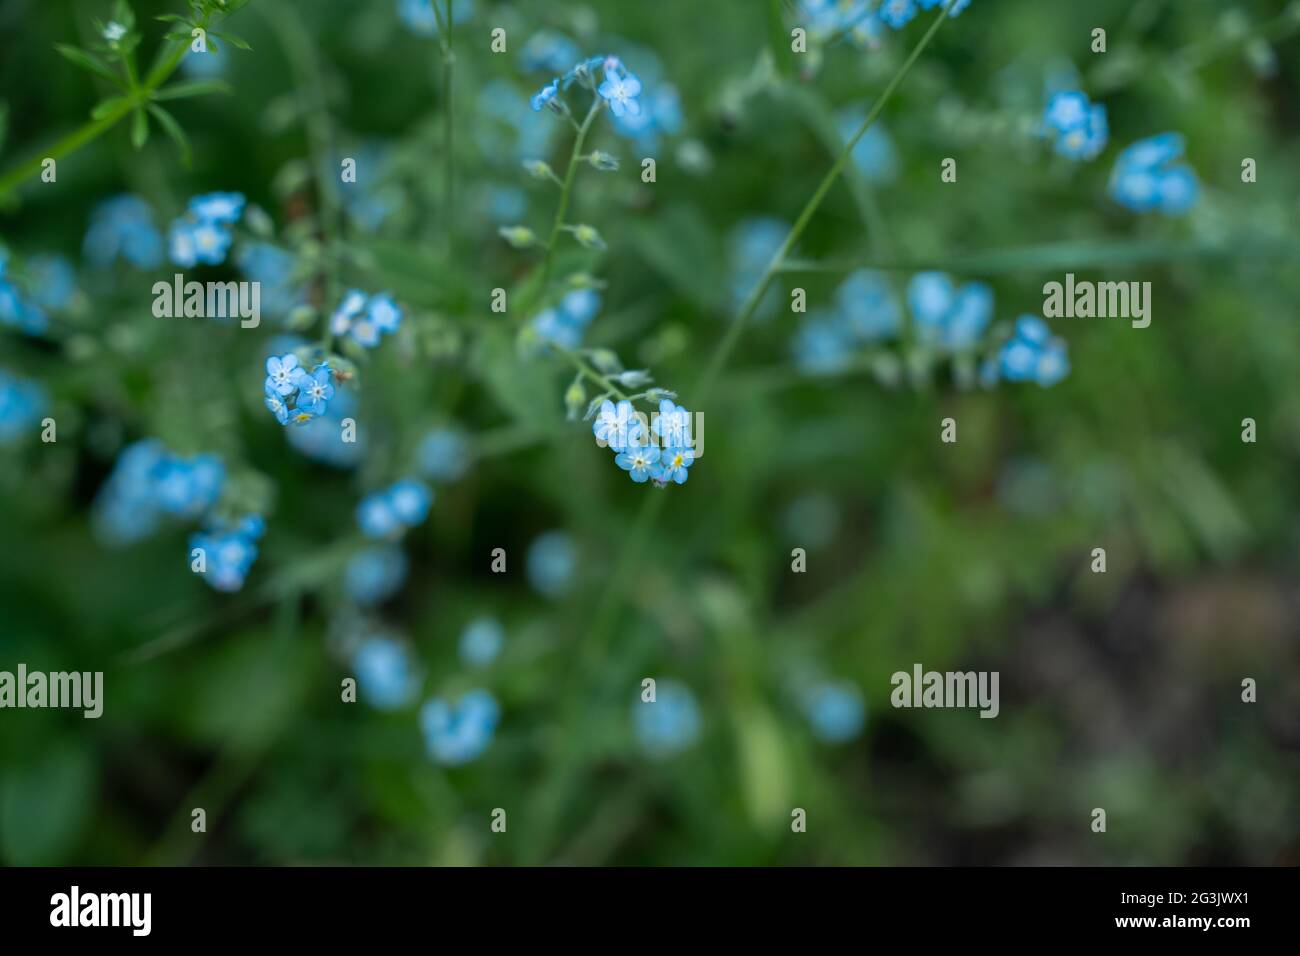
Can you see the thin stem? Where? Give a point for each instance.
(95, 128)
(751, 303)
(588, 372)
(566, 188)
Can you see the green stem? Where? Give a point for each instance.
(562, 209)
(751, 303)
(95, 128)
(588, 372)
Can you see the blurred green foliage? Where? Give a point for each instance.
(1119, 690)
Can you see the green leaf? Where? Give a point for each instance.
(4, 124)
(139, 129)
(173, 129)
(88, 61)
(233, 40)
(193, 88)
(107, 106)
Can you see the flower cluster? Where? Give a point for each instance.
(1032, 354)
(123, 226)
(1078, 125)
(566, 324)
(618, 87)
(864, 313)
(204, 233)
(387, 678)
(458, 732)
(481, 641)
(947, 316)
(390, 513)
(224, 552)
(373, 575)
(292, 393)
(1146, 177)
(663, 452)
(148, 483)
(898, 13)
(365, 319)
(751, 246)
(21, 404)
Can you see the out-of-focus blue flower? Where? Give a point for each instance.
(17, 310)
(443, 455)
(822, 346)
(458, 733)
(835, 710)
(22, 403)
(566, 323)
(123, 226)
(550, 563)
(365, 319)
(547, 52)
(217, 207)
(947, 316)
(202, 66)
(1078, 126)
(669, 724)
(188, 487)
(874, 154)
(752, 245)
(1146, 177)
(52, 281)
(228, 552)
(386, 676)
(897, 13)
(391, 512)
(273, 268)
(148, 482)
(661, 112)
(191, 241)
(865, 301)
(375, 574)
(321, 438)
(1032, 354)
(547, 96)
(481, 641)
(419, 15)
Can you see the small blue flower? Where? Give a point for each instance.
(867, 305)
(547, 51)
(410, 500)
(384, 313)
(218, 207)
(670, 723)
(1146, 177)
(835, 710)
(638, 460)
(386, 676)
(547, 96)
(281, 373)
(123, 226)
(228, 552)
(457, 733)
(375, 574)
(621, 90)
(897, 13)
(617, 425)
(822, 345)
(22, 403)
(481, 641)
(376, 518)
(674, 460)
(550, 563)
(1078, 126)
(392, 511)
(315, 389)
(443, 455)
(1033, 355)
(672, 426)
(419, 15)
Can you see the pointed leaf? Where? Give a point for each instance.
(107, 106)
(192, 88)
(88, 61)
(173, 129)
(235, 41)
(139, 129)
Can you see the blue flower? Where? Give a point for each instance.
(670, 723)
(835, 710)
(547, 96)
(752, 244)
(419, 16)
(458, 733)
(22, 404)
(191, 241)
(390, 512)
(188, 487)
(1033, 355)
(874, 153)
(481, 641)
(547, 51)
(123, 226)
(947, 316)
(867, 305)
(273, 268)
(821, 346)
(314, 389)
(1078, 126)
(566, 324)
(281, 373)
(897, 13)
(1146, 177)
(550, 563)
(218, 207)
(365, 319)
(375, 574)
(228, 552)
(621, 90)
(638, 460)
(386, 676)
(17, 311)
(321, 437)
(384, 313)
(674, 460)
(616, 425)
(443, 455)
